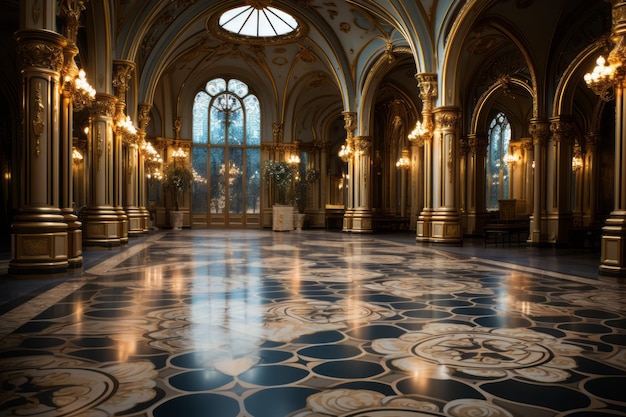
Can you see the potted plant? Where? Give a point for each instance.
(280, 175)
(177, 179)
(304, 179)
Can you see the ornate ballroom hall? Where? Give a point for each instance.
(312, 208)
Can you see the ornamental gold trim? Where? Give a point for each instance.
(38, 122)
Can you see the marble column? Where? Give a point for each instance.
(350, 126)
(142, 188)
(72, 100)
(528, 160)
(590, 179)
(476, 188)
(68, 106)
(416, 184)
(100, 218)
(446, 221)
(362, 183)
(559, 219)
(125, 157)
(39, 232)
(540, 131)
(427, 83)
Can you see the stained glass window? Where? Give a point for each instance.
(498, 175)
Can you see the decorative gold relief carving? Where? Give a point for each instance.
(277, 132)
(41, 55)
(99, 147)
(306, 55)
(144, 116)
(38, 122)
(563, 130)
(540, 131)
(122, 74)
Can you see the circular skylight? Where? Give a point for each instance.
(255, 22)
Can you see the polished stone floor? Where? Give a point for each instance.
(226, 323)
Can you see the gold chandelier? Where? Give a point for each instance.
(601, 79)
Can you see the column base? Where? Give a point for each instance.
(424, 225)
(101, 227)
(74, 239)
(39, 242)
(135, 221)
(613, 246)
(446, 226)
(347, 220)
(122, 220)
(362, 221)
(145, 219)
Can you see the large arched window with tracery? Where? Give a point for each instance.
(226, 155)
(498, 175)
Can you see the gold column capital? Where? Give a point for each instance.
(349, 118)
(539, 129)
(104, 105)
(42, 49)
(446, 117)
(362, 145)
(563, 129)
(478, 143)
(122, 73)
(144, 115)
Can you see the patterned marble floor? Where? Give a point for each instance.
(311, 324)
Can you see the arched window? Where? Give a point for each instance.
(498, 175)
(226, 154)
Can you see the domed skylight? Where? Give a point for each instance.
(258, 22)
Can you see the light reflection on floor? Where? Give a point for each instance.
(312, 324)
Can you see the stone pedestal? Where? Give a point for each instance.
(282, 218)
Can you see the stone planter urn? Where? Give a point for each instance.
(176, 219)
(298, 220)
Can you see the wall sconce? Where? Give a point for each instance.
(510, 159)
(152, 162)
(577, 163)
(345, 153)
(293, 160)
(126, 128)
(404, 162)
(179, 155)
(83, 94)
(601, 79)
(76, 156)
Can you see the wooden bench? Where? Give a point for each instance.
(506, 232)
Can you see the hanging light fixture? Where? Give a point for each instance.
(404, 162)
(601, 79)
(345, 153)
